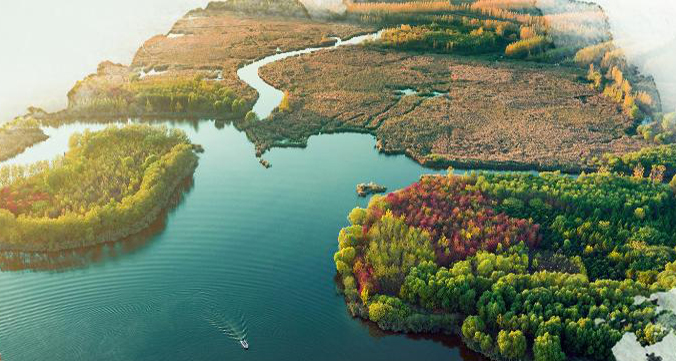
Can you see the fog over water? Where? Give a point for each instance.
(49, 45)
(646, 30)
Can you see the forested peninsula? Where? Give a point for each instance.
(523, 267)
(109, 185)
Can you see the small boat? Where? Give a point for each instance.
(244, 344)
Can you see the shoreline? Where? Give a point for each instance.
(112, 236)
(74, 258)
(21, 143)
(441, 164)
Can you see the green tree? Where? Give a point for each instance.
(548, 348)
(394, 248)
(251, 117)
(357, 216)
(512, 344)
(471, 326)
(285, 105)
(149, 107)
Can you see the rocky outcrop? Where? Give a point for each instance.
(365, 189)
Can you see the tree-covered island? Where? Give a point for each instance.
(109, 185)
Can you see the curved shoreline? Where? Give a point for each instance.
(269, 98)
(174, 159)
(113, 235)
(82, 256)
(23, 139)
(438, 164)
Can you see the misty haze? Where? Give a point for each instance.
(338, 179)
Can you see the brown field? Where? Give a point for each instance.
(226, 41)
(14, 141)
(511, 115)
(214, 41)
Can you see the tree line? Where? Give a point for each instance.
(165, 97)
(107, 184)
(507, 286)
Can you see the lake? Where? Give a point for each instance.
(248, 252)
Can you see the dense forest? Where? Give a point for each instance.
(657, 163)
(158, 96)
(532, 266)
(107, 186)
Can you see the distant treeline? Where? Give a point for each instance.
(192, 97)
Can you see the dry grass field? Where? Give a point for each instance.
(225, 41)
(465, 112)
(213, 44)
(510, 115)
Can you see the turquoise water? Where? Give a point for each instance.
(247, 253)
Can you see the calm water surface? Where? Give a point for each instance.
(248, 252)
(269, 97)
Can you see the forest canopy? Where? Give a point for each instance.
(109, 184)
(545, 265)
(154, 97)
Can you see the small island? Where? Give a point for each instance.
(266, 164)
(109, 185)
(18, 135)
(521, 266)
(365, 189)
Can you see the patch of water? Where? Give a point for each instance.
(269, 98)
(411, 91)
(152, 72)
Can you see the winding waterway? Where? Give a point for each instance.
(248, 251)
(269, 98)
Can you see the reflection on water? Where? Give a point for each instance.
(57, 143)
(82, 257)
(447, 340)
(245, 241)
